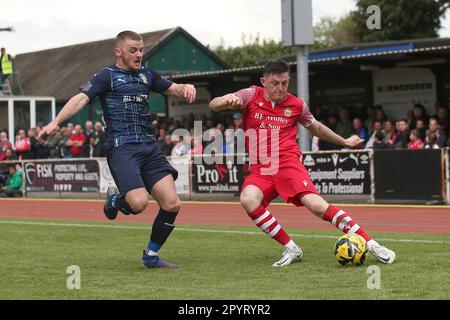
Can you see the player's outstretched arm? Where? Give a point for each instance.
(325, 133)
(226, 102)
(71, 108)
(182, 90)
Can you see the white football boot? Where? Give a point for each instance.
(383, 254)
(288, 256)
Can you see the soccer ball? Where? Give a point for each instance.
(350, 250)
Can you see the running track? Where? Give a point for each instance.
(414, 219)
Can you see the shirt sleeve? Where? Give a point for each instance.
(159, 84)
(245, 94)
(100, 83)
(306, 117)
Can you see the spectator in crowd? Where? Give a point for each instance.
(89, 133)
(98, 141)
(431, 141)
(389, 132)
(166, 148)
(22, 145)
(40, 148)
(402, 134)
(52, 144)
(70, 126)
(370, 118)
(6, 65)
(63, 147)
(180, 148)
(332, 123)
(421, 129)
(344, 127)
(161, 137)
(377, 127)
(419, 112)
(443, 120)
(415, 143)
(360, 131)
(10, 155)
(76, 141)
(380, 141)
(379, 114)
(13, 187)
(435, 128)
(196, 144)
(237, 121)
(4, 145)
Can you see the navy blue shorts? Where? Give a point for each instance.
(138, 165)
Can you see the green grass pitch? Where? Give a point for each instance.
(215, 263)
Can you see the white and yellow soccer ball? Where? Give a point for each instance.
(350, 250)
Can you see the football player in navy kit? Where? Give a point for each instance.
(137, 165)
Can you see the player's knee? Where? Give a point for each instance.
(172, 204)
(138, 204)
(248, 202)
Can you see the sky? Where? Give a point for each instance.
(44, 24)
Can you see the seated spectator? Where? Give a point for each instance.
(441, 137)
(415, 143)
(379, 141)
(13, 187)
(360, 131)
(419, 112)
(237, 120)
(431, 141)
(421, 129)
(368, 123)
(443, 120)
(389, 132)
(402, 134)
(10, 155)
(180, 148)
(377, 127)
(76, 141)
(167, 147)
(4, 144)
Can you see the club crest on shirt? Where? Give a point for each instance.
(143, 78)
(288, 112)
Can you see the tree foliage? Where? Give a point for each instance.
(252, 52)
(329, 32)
(400, 19)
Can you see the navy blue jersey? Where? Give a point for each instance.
(124, 98)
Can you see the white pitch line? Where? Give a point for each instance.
(80, 225)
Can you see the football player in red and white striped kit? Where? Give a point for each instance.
(271, 115)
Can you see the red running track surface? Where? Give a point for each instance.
(416, 219)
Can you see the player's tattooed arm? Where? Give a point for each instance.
(325, 133)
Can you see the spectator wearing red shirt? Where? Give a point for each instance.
(4, 144)
(415, 143)
(22, 144)
(76, 141)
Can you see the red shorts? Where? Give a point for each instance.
(291, 182)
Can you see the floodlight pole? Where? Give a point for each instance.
(304, 137)
(297, 30)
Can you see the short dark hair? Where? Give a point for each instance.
(276, 67)
(127, 34)
(379, 135)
